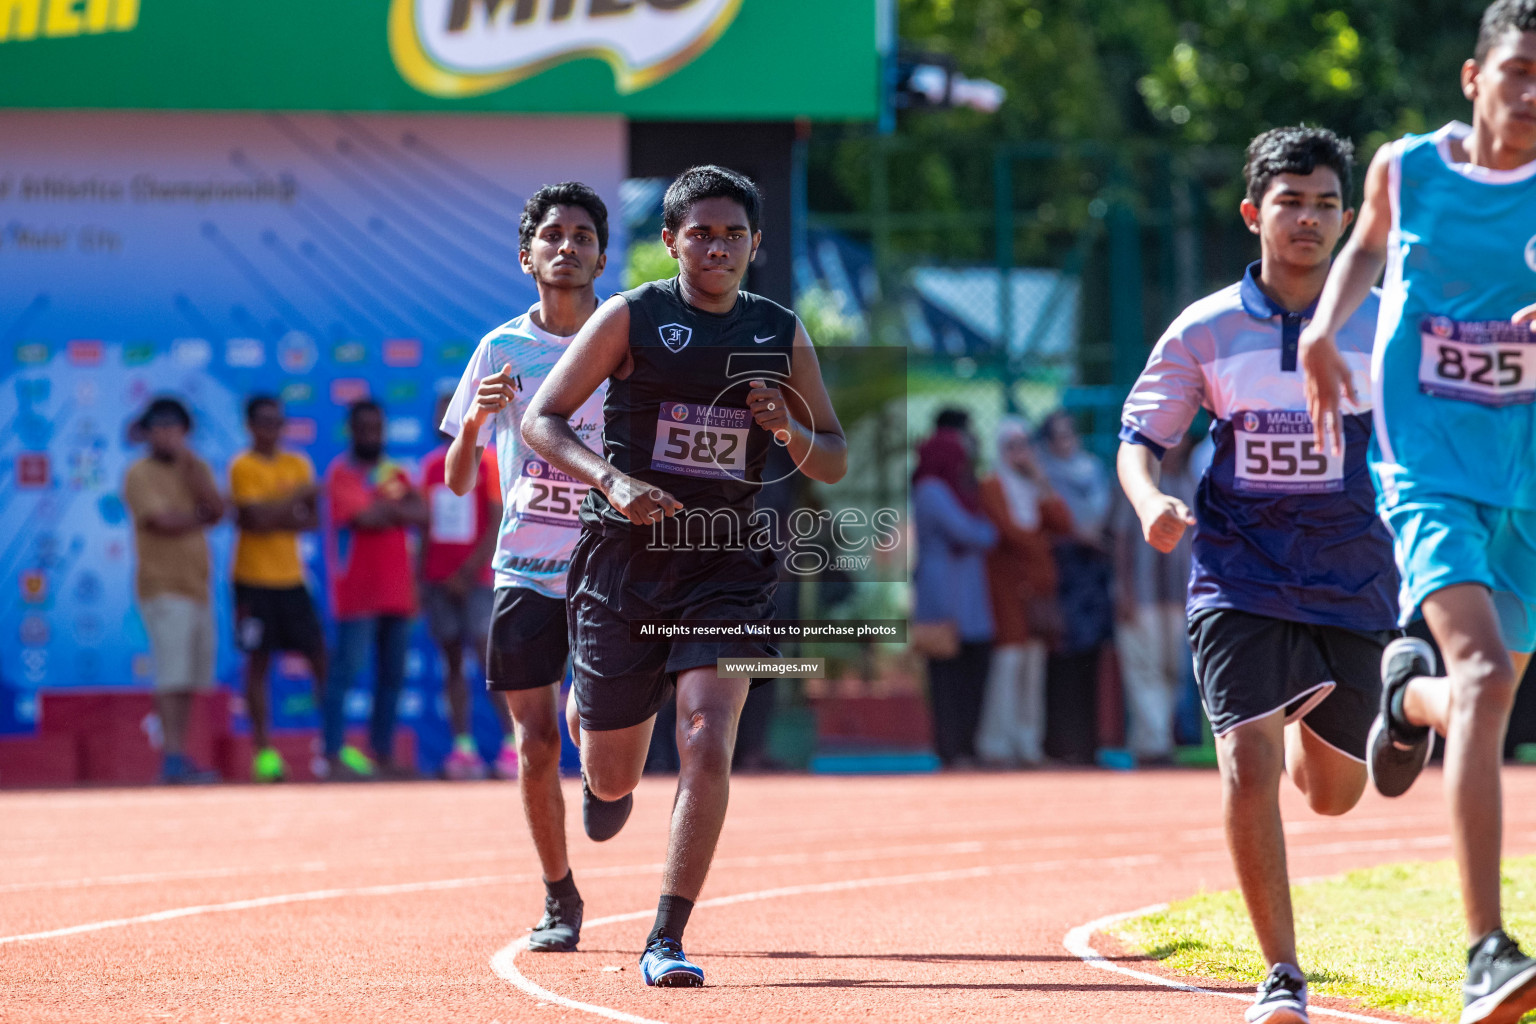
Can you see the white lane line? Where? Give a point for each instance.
(1079, 943)
(260, 901)
(190, 874)
(504, 962)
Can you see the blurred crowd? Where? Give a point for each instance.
(396, 545)
(1051, 633)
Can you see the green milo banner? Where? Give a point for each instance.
(659, 59)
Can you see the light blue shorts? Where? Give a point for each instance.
(1442, 541)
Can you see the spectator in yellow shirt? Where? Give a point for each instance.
(275, 497)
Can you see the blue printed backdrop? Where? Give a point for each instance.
(210, 257)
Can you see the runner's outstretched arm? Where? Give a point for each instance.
(599, 351)
(1349, 282)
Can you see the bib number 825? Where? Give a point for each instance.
(1460, 363)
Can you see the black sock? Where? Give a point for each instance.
(564, 889)
(1399, 716)
(671, 918)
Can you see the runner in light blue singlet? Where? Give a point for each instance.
(1454, 452)
(1451, 219)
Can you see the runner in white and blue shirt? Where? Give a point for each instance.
(562, 241)
(1291, 592)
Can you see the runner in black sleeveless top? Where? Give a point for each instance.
(702, 379)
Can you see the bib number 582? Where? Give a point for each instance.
(706, 447)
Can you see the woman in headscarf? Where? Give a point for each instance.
(951, 614)
(1021, 576)
(1084, 566)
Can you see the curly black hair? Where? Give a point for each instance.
(710, 182)
(566, 193)
(1296, 149)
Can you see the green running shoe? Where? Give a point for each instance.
(268, 766)
(359, 764)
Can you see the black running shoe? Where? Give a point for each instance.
(1397, 752)
(603, 818)
(1501, 982)
(666, 965)
(1282, 999)
(559, 929)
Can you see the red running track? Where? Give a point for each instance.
(943, 898)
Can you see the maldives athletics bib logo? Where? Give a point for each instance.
(455, 48)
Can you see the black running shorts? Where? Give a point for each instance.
(528, 643)
(1249, 666)
(277, 619)
(614, 580)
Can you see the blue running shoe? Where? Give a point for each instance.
(663, 964)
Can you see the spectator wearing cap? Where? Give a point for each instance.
(372, 506)
(173, 498)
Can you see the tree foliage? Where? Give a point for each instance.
(1200, 71)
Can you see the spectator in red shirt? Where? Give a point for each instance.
(457, 594)
(373, 595)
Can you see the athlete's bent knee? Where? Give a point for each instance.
(538, 749)
(1482, 687)
(1332, 801)
(705, 741)
(611, 783)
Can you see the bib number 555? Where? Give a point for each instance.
(1264, 457)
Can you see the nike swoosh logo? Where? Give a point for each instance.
(1481, 989)
(761, 340)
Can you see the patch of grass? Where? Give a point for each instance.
(1389, 936)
